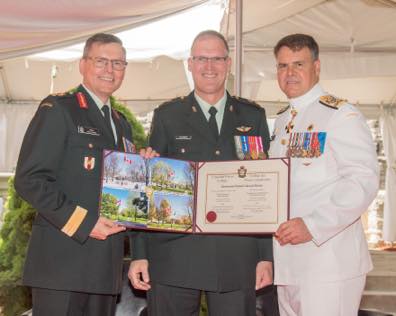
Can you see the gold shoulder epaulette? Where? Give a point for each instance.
(332, 102)
(247, 101)
(284, 109)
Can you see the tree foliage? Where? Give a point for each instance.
(109, 204)
(139, 137)
(14, 234)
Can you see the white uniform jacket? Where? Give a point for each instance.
(330, 191)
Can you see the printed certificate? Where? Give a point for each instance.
(242, 196)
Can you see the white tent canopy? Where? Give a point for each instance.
(357, 40)
(27, 27)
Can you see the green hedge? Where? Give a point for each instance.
(15, 232)
(14, 235)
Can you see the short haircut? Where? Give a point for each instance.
(101, 38)
(211, 33)
(296, 42)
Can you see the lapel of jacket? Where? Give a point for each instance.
(230, 120)
(96, 118)
(196, 119)
(119, 129)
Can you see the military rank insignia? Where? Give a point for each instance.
(89, 163)
(249, 147)
(306, 144)
(82, 100)
(331, 101)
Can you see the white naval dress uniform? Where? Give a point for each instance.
(329, 193)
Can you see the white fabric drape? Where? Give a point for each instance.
(388, 129)
(15, 118)
(28, 27)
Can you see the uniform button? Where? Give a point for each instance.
(217, 152)
(283, 141)
(90, 146)
(182, 150)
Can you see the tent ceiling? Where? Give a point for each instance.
(357, 40)
(27, 27)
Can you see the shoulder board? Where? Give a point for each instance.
(246, 101)
(178, 99)
(46, 103)
(62, 94)
(331, 101)
(284, 109)
(52, 99)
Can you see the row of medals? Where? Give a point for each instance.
(249, 147)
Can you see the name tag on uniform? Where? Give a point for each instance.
(88, 130)
(183, 137)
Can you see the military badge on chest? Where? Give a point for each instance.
(89, 163)
(306, 144)
(249, 147)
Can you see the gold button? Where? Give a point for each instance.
(182, 150)
(90, 146)
(283, 141)
(217, 152)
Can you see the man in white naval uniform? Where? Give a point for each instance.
(320, 255)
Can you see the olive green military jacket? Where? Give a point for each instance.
(58, 173)
(214, 263)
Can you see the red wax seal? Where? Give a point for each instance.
(211, 216)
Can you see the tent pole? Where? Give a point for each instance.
(238, 49)
(3, 76)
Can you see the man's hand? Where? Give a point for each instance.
(264, 275)
(148, 153)
(138, 274)
(105, 227)
(293, 232)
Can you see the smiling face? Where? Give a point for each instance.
(102, 81)
(209, 76)
(297, 71)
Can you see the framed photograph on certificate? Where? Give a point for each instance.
(227, 197)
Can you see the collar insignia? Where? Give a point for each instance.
(82, 100)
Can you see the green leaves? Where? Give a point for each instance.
(14, 236)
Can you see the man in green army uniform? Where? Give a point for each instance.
(175, 268)
(74, 259)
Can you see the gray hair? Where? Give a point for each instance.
(101, 38)
(212, 33)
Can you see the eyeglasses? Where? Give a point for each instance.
(101, 62)
(218, 60)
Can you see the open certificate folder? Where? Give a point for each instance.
(227, 197)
